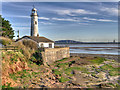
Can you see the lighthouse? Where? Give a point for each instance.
(34, 22)
(39, 40)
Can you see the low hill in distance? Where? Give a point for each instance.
(78, 42)
(67, 41)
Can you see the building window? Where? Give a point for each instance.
(50, 45)
(35, 22)
(42, 45)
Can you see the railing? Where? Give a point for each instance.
(13, 48)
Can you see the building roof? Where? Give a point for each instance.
(37, 39)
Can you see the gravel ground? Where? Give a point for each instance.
(107, 56)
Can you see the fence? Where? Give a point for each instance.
(13, 48)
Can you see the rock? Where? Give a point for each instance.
(42, 86)
(102, 75)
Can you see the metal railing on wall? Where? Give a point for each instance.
(13, 48)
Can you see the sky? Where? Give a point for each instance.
(80, 21)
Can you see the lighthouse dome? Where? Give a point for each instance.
(34, 9)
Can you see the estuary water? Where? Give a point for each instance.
(111, 49)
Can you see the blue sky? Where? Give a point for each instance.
(81, 21)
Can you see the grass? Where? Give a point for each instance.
(61, 60)
(63, 79)
(112, 71)
(34, 73)
(7, 86)
(62, 65)
(13, 76)
(69, 70)
(57, 72)
(98, 60)
(21, 74)
(14, 59)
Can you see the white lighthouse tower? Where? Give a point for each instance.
(34, 22)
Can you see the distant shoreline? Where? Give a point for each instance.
(107, 56)
(91, 43)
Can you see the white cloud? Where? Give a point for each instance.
(44, 18)
(73, 12)
(100, 20)
(20, 16)
(45, 23)
(111, 11)
(65, 19)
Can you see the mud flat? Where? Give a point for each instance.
(107, 56)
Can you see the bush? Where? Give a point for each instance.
(26, 51)
(5, 42)
(30, 44)
(37, 58)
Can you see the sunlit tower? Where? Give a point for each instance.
(34, 22)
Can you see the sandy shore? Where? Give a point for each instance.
(107, 56)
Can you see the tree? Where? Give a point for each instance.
(5, 28)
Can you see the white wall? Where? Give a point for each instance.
(52, 45)
(45, 44)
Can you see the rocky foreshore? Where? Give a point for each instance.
(107, 56)
(77, 71)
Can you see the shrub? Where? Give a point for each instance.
(37, 58)
(5, 42)
(30, 44)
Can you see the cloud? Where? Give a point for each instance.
(44, 18)
(100, 20)
(65, 19)
(45, 23)
(74, 12)
(20, 16)
(111, 11)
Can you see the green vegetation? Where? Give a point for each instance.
(57, 72)
(7, 30)
(63, 65)
(63, 79)
(98, 60)
(37, 58)
(8, 86)
(82, 69)
(112, 70)
(14, 59)
(61, 60)
(30, 44)
(21, 74)
(6, 42)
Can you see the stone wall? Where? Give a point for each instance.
(50, 55)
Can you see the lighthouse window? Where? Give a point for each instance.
(35, 22)
(33, 11)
